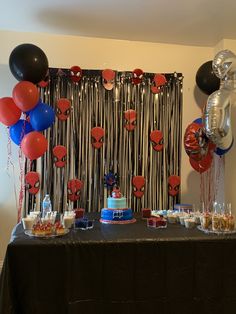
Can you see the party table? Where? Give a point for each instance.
(125, 269)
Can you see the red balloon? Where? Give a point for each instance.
(202, 165)
(25, 95)
(34, 145)
(9, 112)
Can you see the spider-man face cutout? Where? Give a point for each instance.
(159, 80)
(75, 73)
(74, 187)
(173, 185)
(138, 183)
(44, 83)
(59, 154)
(137, 76)
(32, 183)
(196, 143)
(108, 77)
(63, 108)
(97, 135)
(156, 138)
(130, 119)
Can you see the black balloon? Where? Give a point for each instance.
(206, 79)
(28, 63)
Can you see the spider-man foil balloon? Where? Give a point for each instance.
(173, 185)
(63, 109)
(32, 182)
(97, 135)
(156, 138)
(75, 73)
(130, 119)
(138, 183)
(74, 187)
(196, 143)
(59, 154)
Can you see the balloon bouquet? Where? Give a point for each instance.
(24, 113)
(212, 133)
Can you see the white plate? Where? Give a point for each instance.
(30, 234)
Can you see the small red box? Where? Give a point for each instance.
(146, 212)
(79, 213)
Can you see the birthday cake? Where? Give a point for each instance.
(117, 211)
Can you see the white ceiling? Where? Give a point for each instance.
(188, 22)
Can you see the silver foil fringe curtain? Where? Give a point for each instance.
(125, 153)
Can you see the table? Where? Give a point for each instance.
(125, 269)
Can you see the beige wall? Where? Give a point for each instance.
(93, 53)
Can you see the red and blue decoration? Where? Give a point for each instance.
(108, 77)
(74, 187)
(75, 73)
(32, 182)
(156, 138)
(137, 76)
(138, 183)
(63, 109)
(173, 185)
(59, 153)
(97, 136)
(159, 81)
(130, 119)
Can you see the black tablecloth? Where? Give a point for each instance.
(126, 269)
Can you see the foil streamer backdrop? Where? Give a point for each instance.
(126, 153)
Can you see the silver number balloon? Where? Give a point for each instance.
(224, 63)
(217, 118)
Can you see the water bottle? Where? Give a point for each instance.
(47, 206)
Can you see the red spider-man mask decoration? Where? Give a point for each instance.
(74, 187)
(137, 76)
(159, 80)
(130, 119)
(75, 73)
(63, 108)
(156, 138)
(196, 143)
(97, 135)
(173, 185)
(59, 154)
(138, 183)
(32, 183)
(108, 77)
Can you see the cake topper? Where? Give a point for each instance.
(116, 192)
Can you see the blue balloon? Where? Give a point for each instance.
(42, 116)
(19, 130)
(221, 152)
(198, 121)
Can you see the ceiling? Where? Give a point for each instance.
(187, 22)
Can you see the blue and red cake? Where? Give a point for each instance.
(117, 211)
